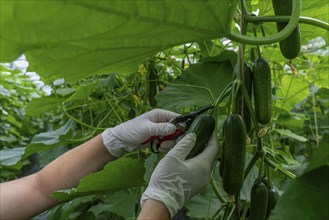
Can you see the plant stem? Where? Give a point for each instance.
(214, 187)
(292, 24)
(251, 164)
(302, 19)
(224, 94)
(315, 119)
(279, 168)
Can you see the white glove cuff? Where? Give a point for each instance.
(112, 143)
(164, 197)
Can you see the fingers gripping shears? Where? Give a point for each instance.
(181, 122)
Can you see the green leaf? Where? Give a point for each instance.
(117, 175)
(315, 9)
(290, 134)
(75, 39)
(39, 106)
(122, 203)
(292, 119)
(318, 73)
(293, 90)
(9, 157)
(310, 192)
(150, 164)
(64, 91)
(321, 154)
(12, 120)
(82, 92)
(50, 139)
(200, 85)
(202, 207)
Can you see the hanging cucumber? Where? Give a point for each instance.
(262, 90)
(290, 46)
(203, 126)
(234, 153)
(258, 200)
(152, 83)
(241, 106)
(273, 197)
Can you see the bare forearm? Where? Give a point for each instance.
(67, 170)
(31, 195)
(153, 209)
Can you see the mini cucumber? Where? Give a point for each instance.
(203, 126)
(234, 154)
(290, 46)
(262, 90)
(258, 200)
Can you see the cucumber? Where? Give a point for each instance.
(258, 200)
(273, 197)
(234, 153)
(290, 46)
(152, 82)
(203, 126)
(262, 90)
(240, 105)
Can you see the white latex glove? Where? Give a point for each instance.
(176, 180)
(129, 135)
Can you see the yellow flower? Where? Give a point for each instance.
(141, 70)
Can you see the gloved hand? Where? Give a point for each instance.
(129, 135)
(176, 180)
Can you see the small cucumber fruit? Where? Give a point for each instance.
(290, 46)
(203, 126)
(258, 200)
(262, 91)
(234, 153)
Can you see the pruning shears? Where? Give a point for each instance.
(182, 124)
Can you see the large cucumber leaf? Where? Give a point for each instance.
(310, 191)
(200, 85)
(75, 39)
(120, 174)
(293, 90)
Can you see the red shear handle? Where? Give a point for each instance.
(172, 136)
(152, 139)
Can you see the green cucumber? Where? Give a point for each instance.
(152, 82)
(290, 46)
(203, 126)
(258, 200)
(240, 105)
(262, 91)
(273, 197)
(234, 153)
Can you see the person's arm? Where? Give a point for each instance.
(26, 197)
(153, 209)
